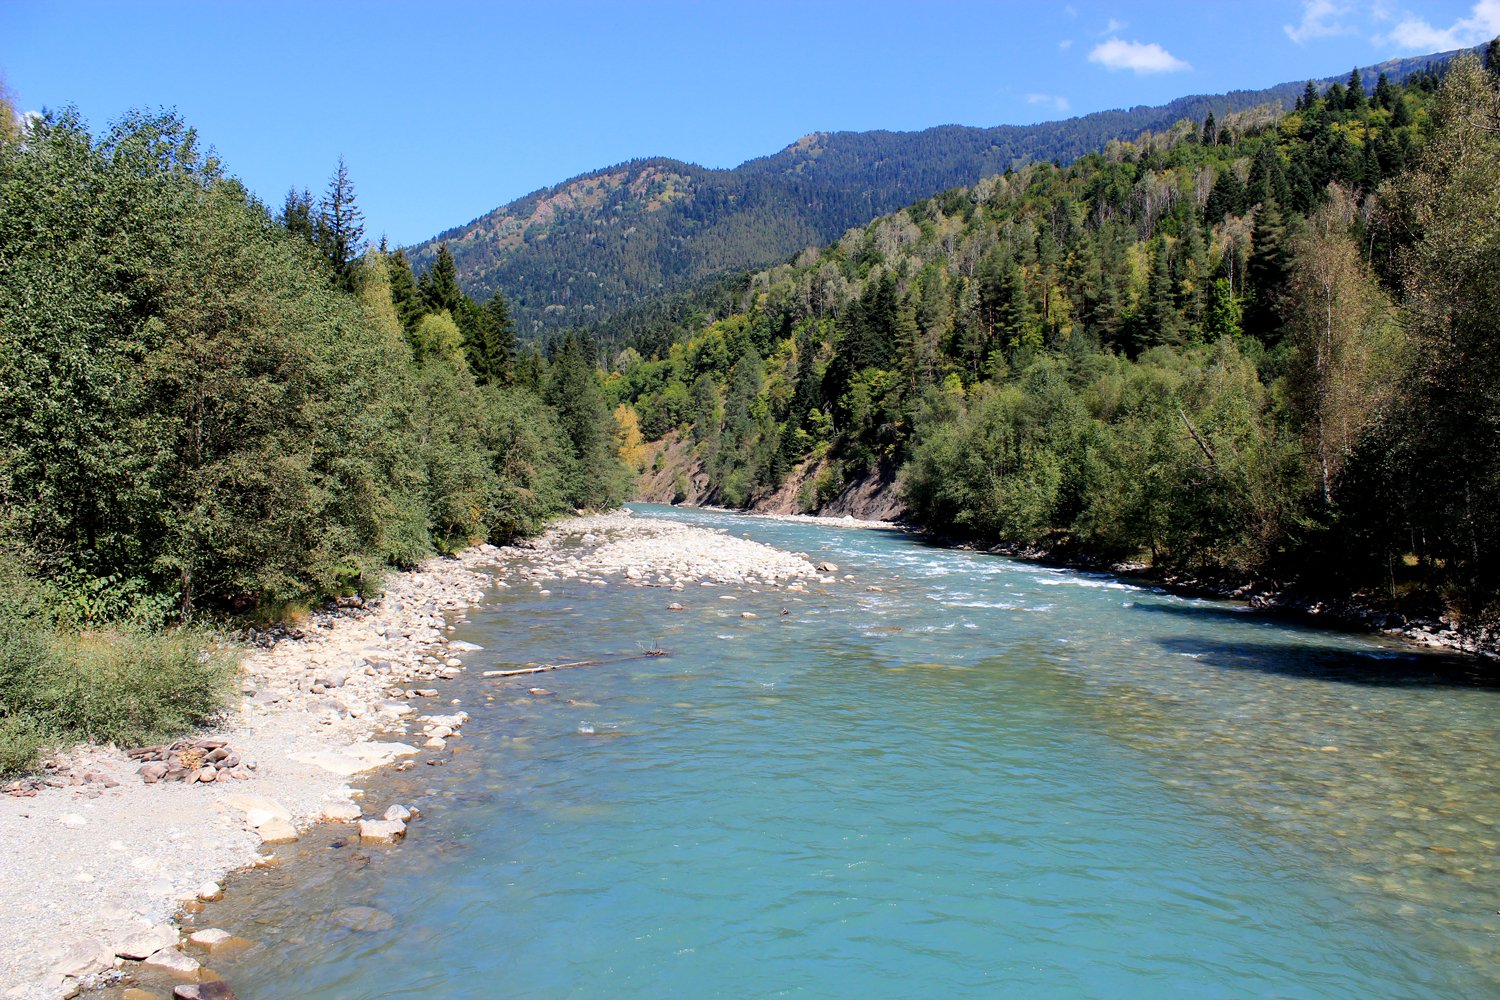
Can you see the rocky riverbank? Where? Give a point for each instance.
(1431, 631)
(104, 848)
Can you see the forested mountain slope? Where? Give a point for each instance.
(578, 253)
(1259, 348)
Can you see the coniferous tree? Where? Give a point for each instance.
(593, 477)
(297, 215)
(1267, 177)
(439, 284)
(1400, 112)
(1385, 94)
(1223, 318)
(1354, 92)
(1210, 134)
(1226, 198)
(492, 349)
(1266, 272)
(339, 226)
(405, 295)
(1160, 319)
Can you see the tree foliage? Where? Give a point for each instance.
(199, 408)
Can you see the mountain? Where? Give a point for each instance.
(580, 252)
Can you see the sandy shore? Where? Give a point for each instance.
(96, 864)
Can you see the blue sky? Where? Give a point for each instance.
(444, 110)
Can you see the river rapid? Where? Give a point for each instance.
(952, 775)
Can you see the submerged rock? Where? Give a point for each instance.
(381, 831)
(364, 919)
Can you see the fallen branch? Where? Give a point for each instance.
(543, 668)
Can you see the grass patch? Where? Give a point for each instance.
(131, 687)
(120, 684)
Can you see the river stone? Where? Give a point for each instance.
(276, 831)
(215, 989)
(84, 957)
(364, 919)
(209, 936)
(148, 943)
(209, 891)
(381, 831)
(341, 812)
(173, 961)
(258, 808)
(397, 813)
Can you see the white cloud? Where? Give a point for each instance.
(1320, 19)
(1070, 10)
(1052, 100)
(1114, 26)
(1066, 43)
(1414, 34)
(1138, 57)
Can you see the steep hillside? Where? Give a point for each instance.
(581, 252)
(1257, 346)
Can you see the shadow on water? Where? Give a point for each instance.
(1376, 668)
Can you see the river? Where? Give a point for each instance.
(982, 778)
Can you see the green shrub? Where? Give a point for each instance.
(22, 742)
(131, 687)
(124, 684)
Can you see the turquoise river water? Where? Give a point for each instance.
(986, 778)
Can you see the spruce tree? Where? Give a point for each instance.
(591, 477)
(492, 349)
(1163, 324)
(1267, 177)
(1210, 130)
(339, 226)
(1266, 273)
(297, 215)
(1354, 92)
(1385, 94)
(1227, 197)
(404, 294)
(439, 284)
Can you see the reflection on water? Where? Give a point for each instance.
(984, 777)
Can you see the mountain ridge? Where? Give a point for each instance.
(589, 247)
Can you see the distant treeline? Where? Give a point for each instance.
(1263, 345)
